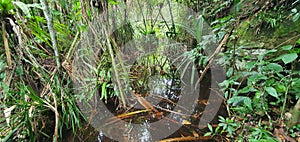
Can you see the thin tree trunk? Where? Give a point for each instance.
(48, 17)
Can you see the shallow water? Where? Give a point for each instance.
(140, 129)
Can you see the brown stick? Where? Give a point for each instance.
(82, 5)
(188, 138)
(210, 60)
(145, 103)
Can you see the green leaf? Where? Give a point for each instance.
(296, 17)
(35, 5)
(210, 127)
(248, 102)
(274, 67)
(240, 100)
(1, 7)
(272, 91)
(280, 88)
(221, 119)
(19, 71)
(287, 47)
(112, 2)
(250, 65)
(23, 7)
(287, 58)
(294, 10)
(103, 91)
(208, 134)
(217, 129)
(223, 124)
(256, 77)
(229, 72)
(271, 51)
(230, 130)
(6, 6)
(247, 89)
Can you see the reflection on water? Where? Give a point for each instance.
(163, 92)
(161, 104)
(142, 135)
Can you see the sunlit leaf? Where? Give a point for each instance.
(186, 122)
(112, 2)
(6, 6)
(274, 67)
(272, 91)
(287, 58)
(7, 113)
(296, 17)
(256, 77)
(287, 47)
(210, 127)
(103, 91)
(280, 88)
(23, 7)
(271, 51)
(208, 134)
(221, 119)
(229, 72)
(217, 129)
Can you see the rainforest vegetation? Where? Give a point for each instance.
(216, 70)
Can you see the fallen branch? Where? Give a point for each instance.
(210, 59)
(188, 138)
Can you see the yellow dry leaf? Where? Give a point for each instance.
(185, 122)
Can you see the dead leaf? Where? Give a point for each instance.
(185, 122)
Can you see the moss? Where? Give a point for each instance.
(268, 37)
(287, 27)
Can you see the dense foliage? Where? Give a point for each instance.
(260, 56)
